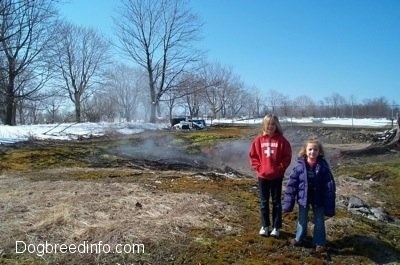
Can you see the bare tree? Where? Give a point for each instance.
(213, 76)
(158, 35)
(194, 96)
(236, 100)
(257, 102)
(377, 107)
(52, 108)
(6, 11)
(335, 103)
(249, 104)
(26, 28)
(305, 106)
(100, 107)
(175, 97)
(187, 94)
(80, 54)
(275, 100)
(272, 100)
(286, 107)
(191, 92)
(230, 87)
(3, 89)
(125, 85)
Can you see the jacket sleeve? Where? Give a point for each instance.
(329, 193)
(291, 191)
(286, 154)
(255, 161)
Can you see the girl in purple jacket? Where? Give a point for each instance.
(311, 183)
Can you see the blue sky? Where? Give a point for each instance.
(309, 48)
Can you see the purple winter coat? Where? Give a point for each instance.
(324, 194)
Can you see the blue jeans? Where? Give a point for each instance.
(271, 188)
(319, 235)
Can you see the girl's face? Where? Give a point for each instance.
(312, 151)
(271, 127)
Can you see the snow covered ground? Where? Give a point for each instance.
(70, 131)
(331, 121)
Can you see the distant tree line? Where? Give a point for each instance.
(53, 71)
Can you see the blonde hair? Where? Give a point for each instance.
(311, 140)
(267, 120)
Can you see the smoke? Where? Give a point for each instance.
(167, 148)
(234, 154)
(160, 147)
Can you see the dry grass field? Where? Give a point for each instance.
(181, 198)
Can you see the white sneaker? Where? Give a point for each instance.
(275, 232)
(264, 231)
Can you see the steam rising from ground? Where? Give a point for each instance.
(163, 147)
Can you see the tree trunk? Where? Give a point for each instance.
(9, 111)
(10, 103)
(153, 108)
(20, 113)
(77, 112)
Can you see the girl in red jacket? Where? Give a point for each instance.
(270, 155)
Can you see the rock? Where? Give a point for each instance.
(355, 202)
(358, 206)
(381, 214)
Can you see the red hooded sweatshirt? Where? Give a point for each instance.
(270, 155)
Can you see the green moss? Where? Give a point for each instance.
(213, 135)
(25, 159)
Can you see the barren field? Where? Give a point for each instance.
(182, 198)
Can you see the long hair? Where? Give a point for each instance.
(311, 140)
(268, 119)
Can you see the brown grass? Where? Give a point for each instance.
(72, 212)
